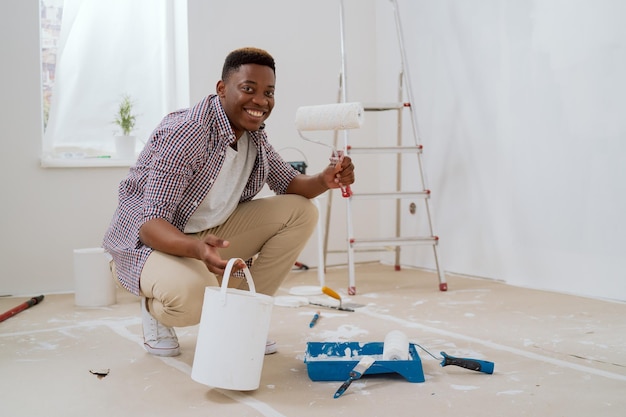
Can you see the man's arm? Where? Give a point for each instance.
(161, 235)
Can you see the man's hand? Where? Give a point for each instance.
(340, 173)
(336, 175)
(210, 256)
(160, 235)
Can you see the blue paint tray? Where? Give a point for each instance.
(333, 361)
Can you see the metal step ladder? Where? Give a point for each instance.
(404, 104)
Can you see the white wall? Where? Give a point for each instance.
(518, 109)
(521, 112)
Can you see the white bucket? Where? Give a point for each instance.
(94, 285)
(233, 332)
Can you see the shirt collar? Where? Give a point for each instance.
(224, 128)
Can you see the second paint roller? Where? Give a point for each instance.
(396, 344)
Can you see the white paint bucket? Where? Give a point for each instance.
(233, 332)
(94, 285)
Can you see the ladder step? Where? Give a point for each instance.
(384, 149)
(385, 106)
(386, 249)
(390, 195)
(395, 241)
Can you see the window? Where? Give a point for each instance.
(51, 15)
(95, 52)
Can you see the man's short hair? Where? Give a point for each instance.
(243, 56)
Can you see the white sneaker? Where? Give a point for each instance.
(270, 347)
(158, 339)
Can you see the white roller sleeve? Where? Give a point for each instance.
(330, 116)
(396, 346)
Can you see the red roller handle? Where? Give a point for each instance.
(10, 313)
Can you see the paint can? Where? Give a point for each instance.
(94, 285)
(232, 335)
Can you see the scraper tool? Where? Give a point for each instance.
(343, 307)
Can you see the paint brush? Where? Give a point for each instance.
(355, 374)
(314, 319)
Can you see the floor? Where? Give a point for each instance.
(554, 354)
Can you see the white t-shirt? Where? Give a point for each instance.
(224, 196)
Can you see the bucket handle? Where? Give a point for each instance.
(226, 277)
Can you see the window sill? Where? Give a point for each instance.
(86, 162)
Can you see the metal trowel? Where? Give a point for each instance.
(343, 307)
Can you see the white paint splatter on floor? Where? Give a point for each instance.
(344, 332)
(510, 392)
(464, 387)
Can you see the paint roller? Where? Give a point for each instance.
(338, 116)
(396, 347)
(26, 304)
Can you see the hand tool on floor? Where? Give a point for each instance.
(467, 363)
(314, 320)
(355, 374)
(27, 304)
(334, 295)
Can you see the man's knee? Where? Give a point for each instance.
(305, 211)
(183, 308)
(180, 300)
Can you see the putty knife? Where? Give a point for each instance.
(331, 293)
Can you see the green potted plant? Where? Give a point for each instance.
(125, 119)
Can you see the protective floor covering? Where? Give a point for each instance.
(554, 355)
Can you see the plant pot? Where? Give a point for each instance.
(125, 147)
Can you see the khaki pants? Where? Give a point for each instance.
(275, 228)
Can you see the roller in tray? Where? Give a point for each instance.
(333, 361)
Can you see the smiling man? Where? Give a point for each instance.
(187, 206)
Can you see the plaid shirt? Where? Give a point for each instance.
(174, 172)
